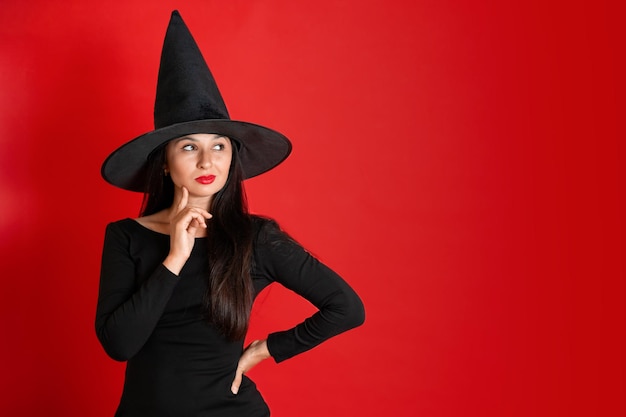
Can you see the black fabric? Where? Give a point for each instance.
(178, 364)
(186, 89)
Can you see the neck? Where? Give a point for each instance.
(202, 202)
(193, 201)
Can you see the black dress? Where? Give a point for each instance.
(177, 363)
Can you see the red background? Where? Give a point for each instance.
(460, 163)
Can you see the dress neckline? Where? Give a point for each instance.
(142, 227)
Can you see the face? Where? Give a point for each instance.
(200, 162)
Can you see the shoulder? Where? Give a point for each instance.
(272, 242)
(127, 229)
(263, 223)
(267, 230)
(157, 222)
(120, 225)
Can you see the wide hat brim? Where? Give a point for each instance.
(259, 149)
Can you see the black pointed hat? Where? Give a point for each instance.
(188, 101)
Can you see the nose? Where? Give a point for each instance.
(204, 160)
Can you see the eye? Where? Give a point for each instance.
(188, 147)
(219, 147)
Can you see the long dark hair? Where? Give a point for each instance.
(229, 296)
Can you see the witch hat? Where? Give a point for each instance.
(188, 101)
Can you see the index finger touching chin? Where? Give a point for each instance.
(184, 197)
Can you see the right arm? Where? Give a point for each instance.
(126, 314)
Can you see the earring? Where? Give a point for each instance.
(166, 172)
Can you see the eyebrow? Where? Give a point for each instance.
(193, 139)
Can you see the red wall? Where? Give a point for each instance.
(457, 162)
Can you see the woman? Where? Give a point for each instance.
(177, 284)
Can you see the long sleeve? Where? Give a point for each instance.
(281, 259)
(127, 310)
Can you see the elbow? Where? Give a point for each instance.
(355, 316)
(350, 311)
(116, 355)
(115, 350)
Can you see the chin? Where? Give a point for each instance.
(205, 190)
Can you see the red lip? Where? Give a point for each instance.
(207, 179)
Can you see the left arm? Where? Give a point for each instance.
(339, 307)
(281, 259)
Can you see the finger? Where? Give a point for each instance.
(197, 222)
(193, 221)
(184, 198)
(200, 214)
(234, 388)
(178, 194)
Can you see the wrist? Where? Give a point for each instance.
(260, 349)
(174, 263)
